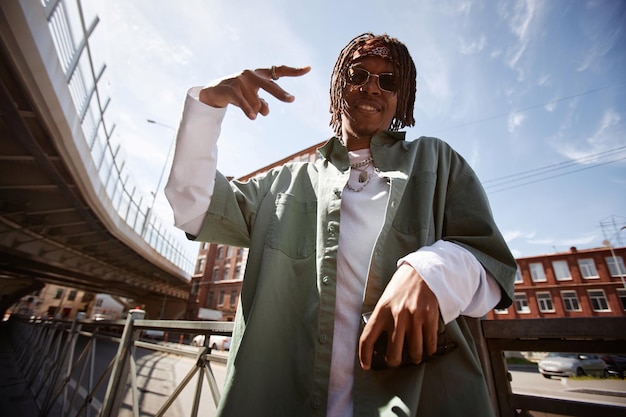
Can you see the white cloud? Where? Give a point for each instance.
(544, 81)
(515, 120)
(521, 20)
(472, 47)
(510, 235)
(608, 134)
(551, 106)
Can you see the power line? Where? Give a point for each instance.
(559, 165)
(535, 106)
(518, 180)
(491, 191)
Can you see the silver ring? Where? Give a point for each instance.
(273, 75)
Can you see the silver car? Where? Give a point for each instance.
(572, 364)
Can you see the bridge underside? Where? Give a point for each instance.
(49, 233)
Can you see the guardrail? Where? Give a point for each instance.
(589, 335)
(65, 381)
(61, 378)
(71, 34)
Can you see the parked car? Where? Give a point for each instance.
(572, 364)
(215, 341)
(616, 365)
(154, 334)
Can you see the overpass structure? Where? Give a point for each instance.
(69, 214)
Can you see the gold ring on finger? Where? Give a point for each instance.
(273, 75)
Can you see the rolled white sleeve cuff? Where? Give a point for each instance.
(458, 280)
(192, 177)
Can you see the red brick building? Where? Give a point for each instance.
(578, 283)
(218, 276)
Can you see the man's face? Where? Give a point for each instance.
(368, 109)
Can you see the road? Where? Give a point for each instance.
(604, 391)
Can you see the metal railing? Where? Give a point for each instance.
(589, 335)
(63, 380)
(62, 376)
(71, 35)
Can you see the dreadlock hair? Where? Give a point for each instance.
(404, 68)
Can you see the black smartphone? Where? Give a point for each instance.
(380, 347)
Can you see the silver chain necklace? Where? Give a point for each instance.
(365, 176)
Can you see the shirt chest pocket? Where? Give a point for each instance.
(292, 226)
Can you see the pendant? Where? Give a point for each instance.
(363, 176)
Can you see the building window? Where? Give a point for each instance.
(537, 273)
(521, 303)
(200, 266)
(229, 252)
(58, 294)
(588, 268)
(209, 299)
(72, 295)
(501, 311)
(616, 266)
(221, 299)
(194, 288)
(518, 276)
(220, 252)
(98, 302)
(570, 300)
(205, 245)
(621, 293)
(233, 298)
(561, 270)
(216, 274)
(598, 300)
(226, 273)
(544, 299)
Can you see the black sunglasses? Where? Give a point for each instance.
(386, 80)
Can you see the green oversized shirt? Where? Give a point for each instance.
(289, 217)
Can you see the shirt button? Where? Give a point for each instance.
(393, 203)
(322, 338)
(326, 280)
(316, 403)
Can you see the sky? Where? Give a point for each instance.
(532, 93)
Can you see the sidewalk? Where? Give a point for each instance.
(15, 397)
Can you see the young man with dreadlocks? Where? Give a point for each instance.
(398, 232)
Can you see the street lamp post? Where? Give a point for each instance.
(158, 187)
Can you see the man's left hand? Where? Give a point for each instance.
(407, 310)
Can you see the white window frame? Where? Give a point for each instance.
(200, 266)
(588, 268)
(569, 295)
(616, 266)
(501, 310)
(621, 294)
(518, 276)
(598, 299)
(545, 303)
(537, 273)
(520, 299)
(559, 268)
